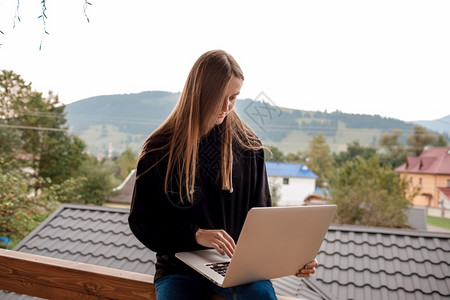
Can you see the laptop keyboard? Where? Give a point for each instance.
(219, 267)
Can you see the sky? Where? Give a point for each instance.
(388, 58)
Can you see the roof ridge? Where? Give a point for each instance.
(387, 245)
(387, 230)
(88, 229)
(90, 241)
(92, 219)
(85, 254)
(95, 207)
(386, 287)
(386, 272)
(388, 259)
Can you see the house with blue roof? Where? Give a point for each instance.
(292, 181)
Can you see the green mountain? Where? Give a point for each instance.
(112, 123)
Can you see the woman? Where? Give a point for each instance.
(198, 175)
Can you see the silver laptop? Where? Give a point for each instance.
(274, 242)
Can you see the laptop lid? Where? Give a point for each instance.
(274, 242)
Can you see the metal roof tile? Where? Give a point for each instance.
(355, 262)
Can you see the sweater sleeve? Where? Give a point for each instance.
(152, 220)
(261, 191)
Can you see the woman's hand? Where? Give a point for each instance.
(308, 269)
(217, 239)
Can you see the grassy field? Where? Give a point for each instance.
(440, 222)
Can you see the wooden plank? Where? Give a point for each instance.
(53, 278)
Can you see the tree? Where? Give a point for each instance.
(272, 153)
(419, 139)
(61, 157)
(92, 185)
(369, 194)
(33, 135)
(35, 128)
(126, 162)
(441, 141)
(391, 142)
(319, 159)
(295, 157)
(354, 150)
(396, 152)
(19, 211)
(13, 94)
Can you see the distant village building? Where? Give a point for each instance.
(319, 197)
(430, 171)
(294, 182)
(122, 194)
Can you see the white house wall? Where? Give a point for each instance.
(295, 192)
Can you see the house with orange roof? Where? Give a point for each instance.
(430, 173)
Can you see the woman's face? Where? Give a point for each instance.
(232, 90)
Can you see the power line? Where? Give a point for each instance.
(32, 127)
(269, 128)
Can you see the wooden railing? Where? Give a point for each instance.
(52, 278)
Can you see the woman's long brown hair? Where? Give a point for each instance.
(194, 115)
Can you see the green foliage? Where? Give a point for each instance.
(9, 145)
(46, 165)
(62, 157)
(34, 127)
(367, 194)
(320, 160)
(11, 97)
(99, 182)
(272, 153)
(395, 151)
(354, 150)
(441, 141)
(93, 185)
(298, 157)
(126, 162)
(20, 211)
(419, 139)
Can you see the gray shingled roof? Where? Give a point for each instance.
(90, 234)
(101, 236)
(123, 193)
(355, 262)
(380, 263)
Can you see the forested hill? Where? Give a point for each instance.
(117, 121)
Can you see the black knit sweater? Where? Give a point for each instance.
(165, 225)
